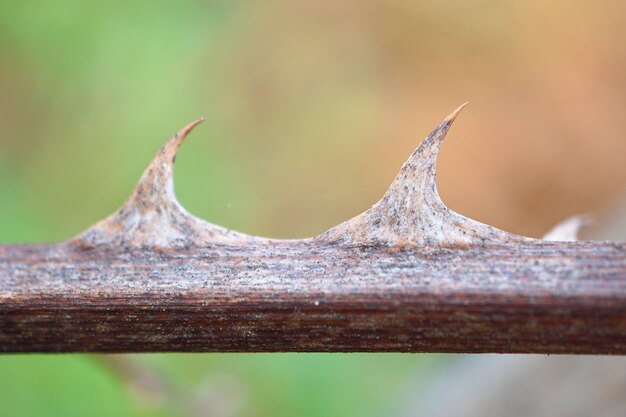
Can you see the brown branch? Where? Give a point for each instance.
(407, 275)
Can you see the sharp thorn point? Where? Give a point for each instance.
(455, 113)
(185, 130)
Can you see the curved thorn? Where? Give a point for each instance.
(455, 113)
(173, 144)
(152, 216)
(420, 167)
(171, 147)
(156, 185)
(568, 229)
(411, 211)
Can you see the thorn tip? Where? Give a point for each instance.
(185, 130)
(455, 113)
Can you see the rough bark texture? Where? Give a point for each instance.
(407, 275)
(552, 298)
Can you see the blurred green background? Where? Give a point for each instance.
(311, 108)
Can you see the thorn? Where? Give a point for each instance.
(153, 217)
(567, 230)
(411, 211)
(157, 178)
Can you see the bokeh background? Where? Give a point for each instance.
(311, 108)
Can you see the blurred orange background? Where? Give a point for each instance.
(312, 108)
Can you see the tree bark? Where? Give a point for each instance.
(315, 296)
